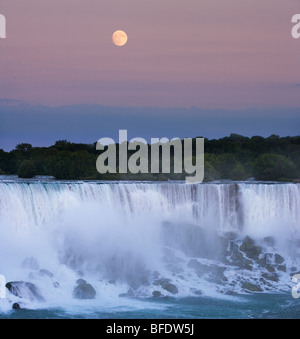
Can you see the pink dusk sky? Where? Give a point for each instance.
(230, 54)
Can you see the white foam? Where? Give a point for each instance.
(114, 232)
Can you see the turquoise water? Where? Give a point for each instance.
(256, 306)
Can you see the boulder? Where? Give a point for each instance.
(251, 287)
(281, 268)
(167, 285)
(270, 269)
(271, 276)
(265, 260)
(199, 268)
(25, 290)
(171, 288)
(84, 291)
(215, 273)
(16, 306)
(130, 293)
(279, 259)
(156, 294)
(250, 249)
(196, 292)
(45, 273)
(248, 265)
(236, 256)
(231, 293)
(262, 280)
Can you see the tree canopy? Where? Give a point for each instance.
(235, 157)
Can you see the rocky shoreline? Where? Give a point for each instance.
(239, 266)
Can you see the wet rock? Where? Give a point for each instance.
(56, 284)
(45, 273)
(281, 268)
(174, 269)
(217, 274)
(251, 287)
(265, 260)
(156, 274)
(128, 294)
(16, 306)
(80, 281)
(84, 291)
(270, 269)
(247, 266)
(269, 241)
(156, 294)
(170, 257)
(31, 264)
(250, 249)
(214, 273)
(222, 246)
(265, 282)
(197, 292)
(230, 236)
(188, 238)
(25, 290)
(170, 288)
(230, 292)
(293, 269)
(129, 268)
(237, 256)
(197, 266)
(271, 276)
(167, 285)
(279, 259)
(295, 273)
(135, 282)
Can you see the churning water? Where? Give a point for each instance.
(148, 249)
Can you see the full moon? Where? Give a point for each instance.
(119, 38)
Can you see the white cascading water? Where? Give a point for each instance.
(116, 233)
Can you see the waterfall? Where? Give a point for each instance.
(131, 233)
(222, 206)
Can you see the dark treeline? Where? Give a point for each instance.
(235, 157)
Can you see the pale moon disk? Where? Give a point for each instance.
(119, 38)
